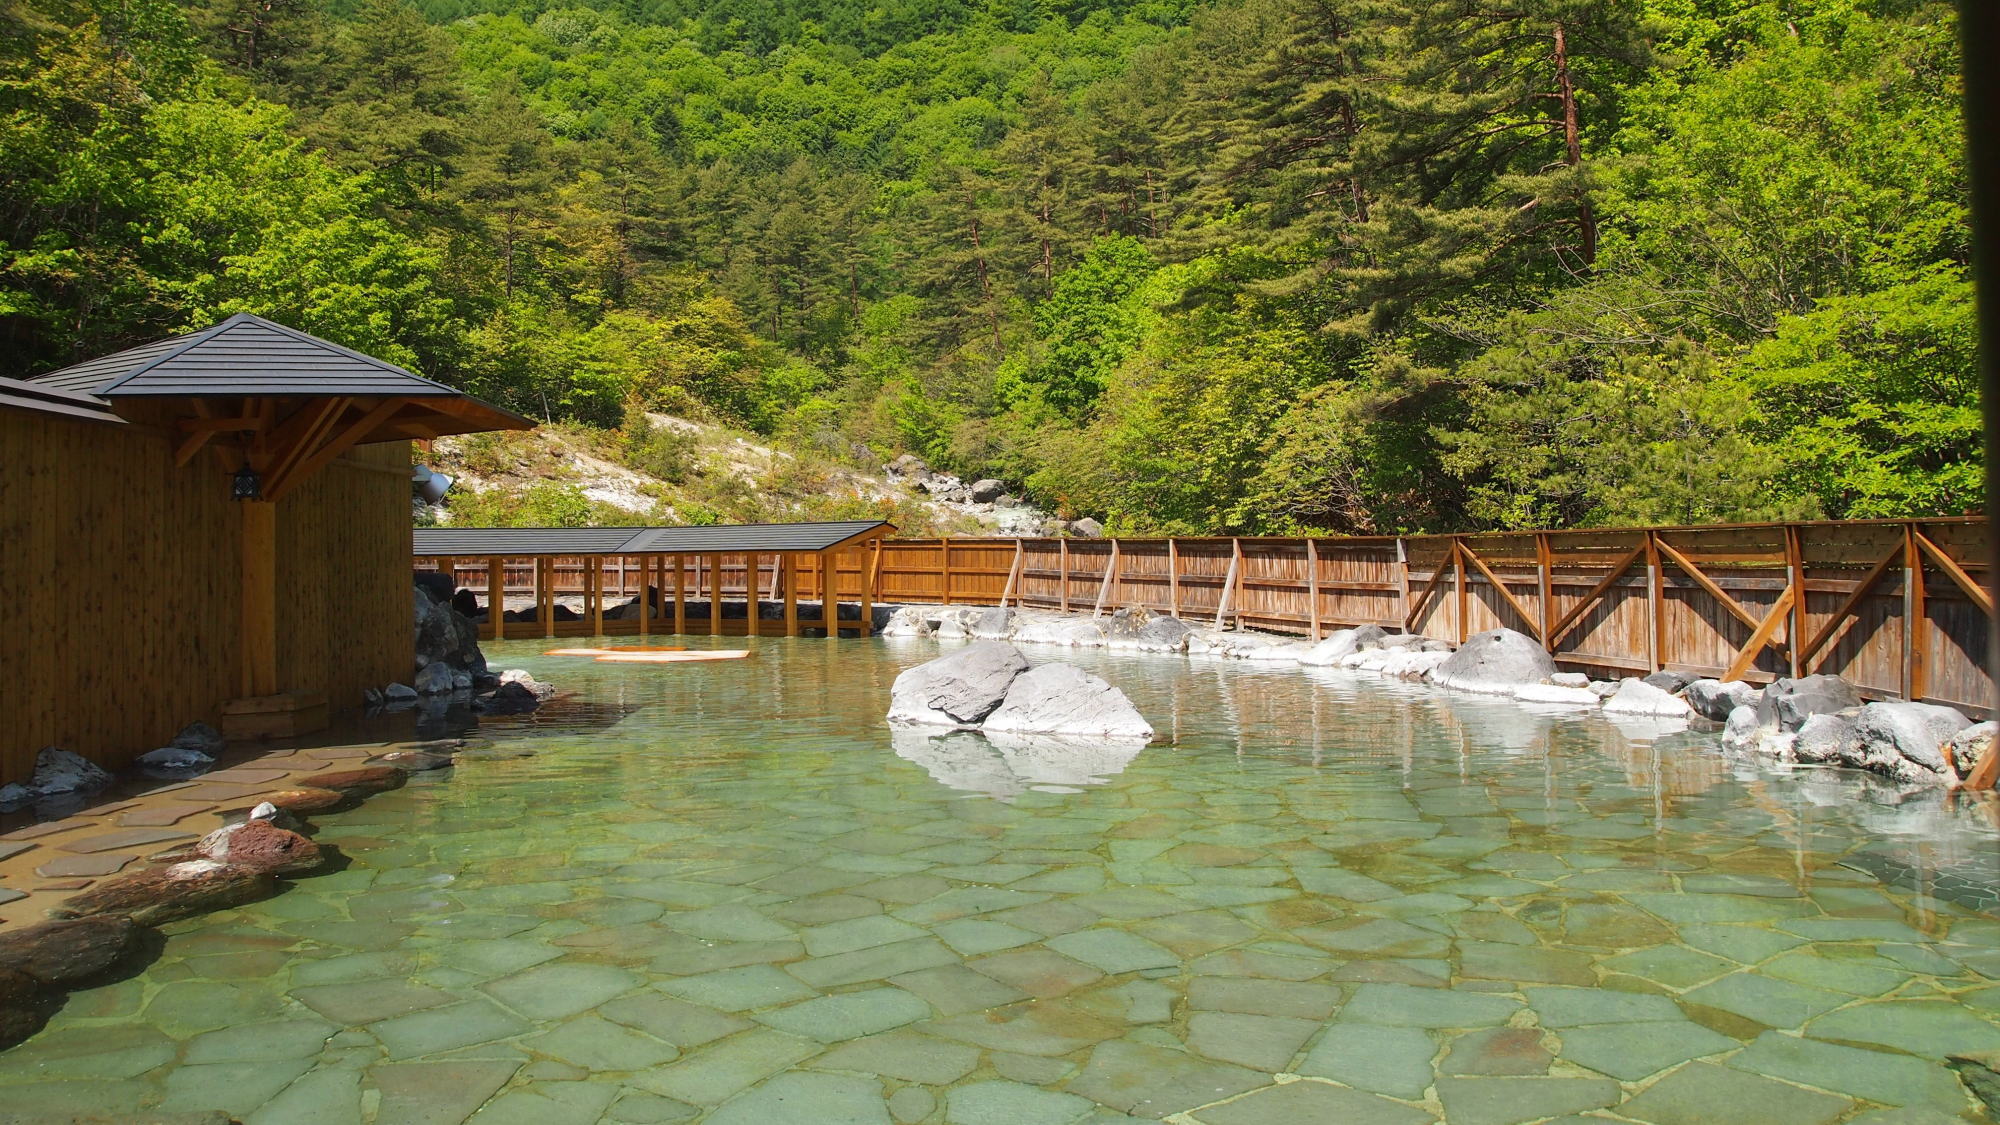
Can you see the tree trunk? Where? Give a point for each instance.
(1573, 142)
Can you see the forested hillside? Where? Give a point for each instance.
(1249, 265)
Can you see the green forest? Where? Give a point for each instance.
(1190, 266)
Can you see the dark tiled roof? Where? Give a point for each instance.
(244, 355)
(18, 395)
(720, 539)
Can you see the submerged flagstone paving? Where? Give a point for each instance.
(1326, 899)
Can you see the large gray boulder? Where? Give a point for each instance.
(987, 490)
(993, 624)
(1669, 681)
(1342, 642)
(1064, 699)
(1826, 738)
(1495, 662)
(434, 679)
(1742, 730)
(1163, 634)
(1715, 699)
(1894, 736)
(958, 690)
(60, 771)
(1786, 703)
(1968, 746)
(444, 634)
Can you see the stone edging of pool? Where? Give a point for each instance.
(96, 882)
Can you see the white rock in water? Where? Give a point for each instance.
(1742, 730)
(15, 795)
(59, 771)
(399, 693)
(1570, 680)
(1495, 662)
(1556, 694)
(174, 758)
(265, 810)
(958, 690)
(1637, 697)
(1064, 699)
(538, 688)
(1339, 643)
(907, 622)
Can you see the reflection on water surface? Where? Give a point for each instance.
(731, 891)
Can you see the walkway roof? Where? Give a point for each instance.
(19, 395)
(715, 539)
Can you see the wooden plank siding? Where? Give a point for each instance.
(123, 581)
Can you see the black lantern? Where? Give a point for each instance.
(247, 484)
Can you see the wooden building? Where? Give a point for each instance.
(718, 580)
(212, 526)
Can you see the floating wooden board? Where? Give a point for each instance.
(613, 650)
(670, 657)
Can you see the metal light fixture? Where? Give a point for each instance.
(246, 484)
(430, 484)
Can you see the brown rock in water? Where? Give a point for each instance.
(307, 800)
(366, 779)
(73, 951)
(25, 1005)
(412, 761)
(161, 894)
(262, 846)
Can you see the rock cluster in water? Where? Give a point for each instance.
(1810, 719)
(989, 685)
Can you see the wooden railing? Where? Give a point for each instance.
(1741, 601)
(1898, 608)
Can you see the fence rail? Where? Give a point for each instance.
(1899, 608)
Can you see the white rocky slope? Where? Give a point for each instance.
(728, 459)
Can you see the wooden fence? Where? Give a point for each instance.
(1900, 609)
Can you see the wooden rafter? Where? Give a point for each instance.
(1841, 616)
(337, 443)
(1513, 602)
(1576, 612)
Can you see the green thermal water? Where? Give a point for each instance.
(728, 890)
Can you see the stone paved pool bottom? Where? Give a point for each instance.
(1323, 900)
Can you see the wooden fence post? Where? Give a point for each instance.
(1916, 623)
(1403, 582)
(1458, 583)
(1656, 610)
(1312, 583)
(1173, 577)
(1545, 582)
(1795, 565)
(944, 566)
(496, 598)
(1062, 554)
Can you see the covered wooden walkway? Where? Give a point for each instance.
(730, 580)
